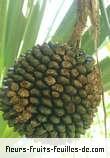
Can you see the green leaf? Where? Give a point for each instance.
(105, 14)
(53, 20)
(65, 29)
(14, 31)
(33, 25)
(3, 23)
(105, 68)
(87, 42)
(5, 130)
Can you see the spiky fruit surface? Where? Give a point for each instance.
(51, 91)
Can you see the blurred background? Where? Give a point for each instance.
(24, 23)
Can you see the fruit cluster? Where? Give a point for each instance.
(51, 91)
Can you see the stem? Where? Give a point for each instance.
(75, 39)
(102, 93)
(96, 43)
(95, 21)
